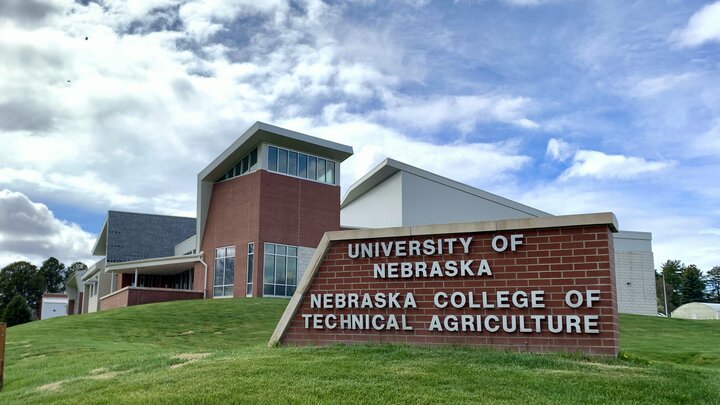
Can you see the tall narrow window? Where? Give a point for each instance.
(282, 161)
(250, 260)
(312, 166)
(280, 270)
(292, 163)
(224, 271)
(321, 170)
(272, 158)
(302, 166)
(329, 172)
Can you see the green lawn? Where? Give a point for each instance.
(214, 351)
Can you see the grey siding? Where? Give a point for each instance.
(427, 202)
(381, 207)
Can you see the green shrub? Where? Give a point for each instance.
(17, 311)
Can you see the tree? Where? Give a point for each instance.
(692, 285)
(74, 268)
(55, 274)
(17, 311)
(672, 269)
(21, 278)
(713, 281)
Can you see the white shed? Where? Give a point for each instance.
(697, 310)
(53, 305)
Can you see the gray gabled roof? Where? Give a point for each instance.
(389, 167)
(133, 236)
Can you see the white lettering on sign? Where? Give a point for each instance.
(448, 260)
(402, 248)
(450, 268)
(520, 299)
(500, 243)
(515, 323)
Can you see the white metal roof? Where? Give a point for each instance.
(390, 166)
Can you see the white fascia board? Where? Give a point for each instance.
(390, 166)
(100, 247)
(154, 262)
(94, 269)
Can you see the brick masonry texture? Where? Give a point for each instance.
(264, 207)
(554, 260)
(138, 296)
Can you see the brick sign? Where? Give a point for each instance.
(538, 285)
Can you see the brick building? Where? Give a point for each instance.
(263, 206)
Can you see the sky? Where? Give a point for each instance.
(569, 106)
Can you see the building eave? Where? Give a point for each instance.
(100, 247)
(389, 167)
(154, 264)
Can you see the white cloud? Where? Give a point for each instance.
(653, 86)
(30, 231)
(559, 150)
(462, 112)
(472, 163)
(589, 163)
(703, 26)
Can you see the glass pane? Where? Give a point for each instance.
(253, 157)
(229, 270)
(251, 247)
(280, 290)
(302, 166)
(282, 160)
(246, 164)
(238, 168)
(279, 270)
(220, 252)
(291, 251)
(269, 248)
(290, 290)
(280, 250)
(312, 167)
(292, 163)
(269, 289)
(248, 291)
(269, 268)
(219, 271)
(321, 170)
(272, 158)
(218, 292)
(330, 172)
(228, 291)
(250, 269)
(291, 277)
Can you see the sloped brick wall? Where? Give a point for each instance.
(554, 260)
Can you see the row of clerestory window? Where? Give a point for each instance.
(301, 165)
(242, 167)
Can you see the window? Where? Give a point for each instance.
(279, 270)
(242, 167)
(224, 271)
(251, 253)
(292, 163)
(272, 158)
(301, 165)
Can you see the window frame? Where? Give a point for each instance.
(312, 165)
(224, 286)
(275, 253)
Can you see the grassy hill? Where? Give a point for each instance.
(214, 351)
